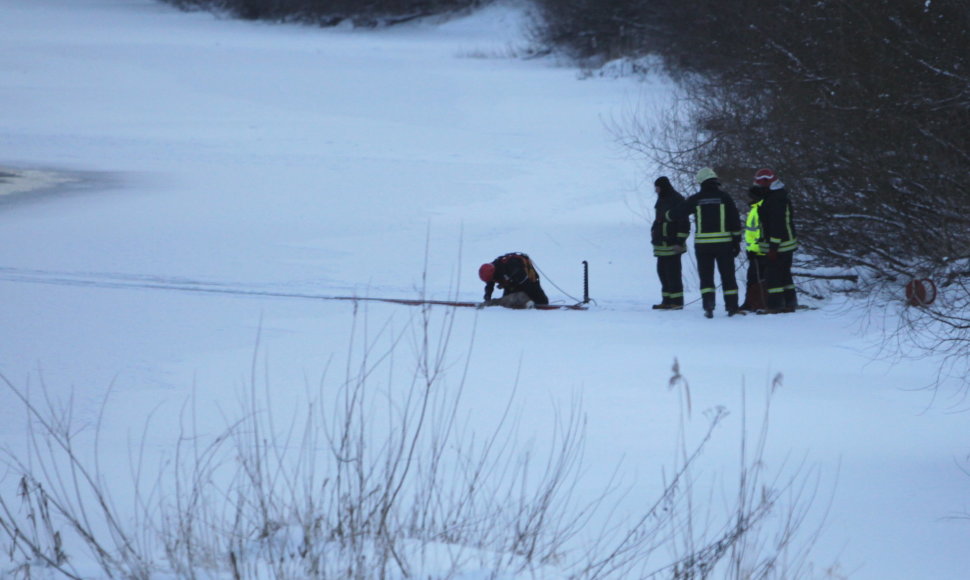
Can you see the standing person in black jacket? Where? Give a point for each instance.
(779, 243)
(517, 277)
(717, 239)
(668, 239)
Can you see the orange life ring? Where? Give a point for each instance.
(920, 292)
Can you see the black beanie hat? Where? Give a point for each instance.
(662, 182)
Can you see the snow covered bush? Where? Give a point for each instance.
(861, 110)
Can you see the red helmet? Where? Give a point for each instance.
(487, 272)
(764, 177)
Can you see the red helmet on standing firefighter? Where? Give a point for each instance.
(764, 177)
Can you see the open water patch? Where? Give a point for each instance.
(18, 185)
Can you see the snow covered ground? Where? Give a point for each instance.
(177, 152)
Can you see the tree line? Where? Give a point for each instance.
(865, 106)
(329, 12)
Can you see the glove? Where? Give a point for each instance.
(678, 248)
(772, 255)
(483, 305)
(736, 250)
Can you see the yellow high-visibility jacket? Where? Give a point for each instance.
(752, 230)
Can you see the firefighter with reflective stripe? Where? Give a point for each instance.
(717, 239)
(669, 240)
(754, 296)
(515, 274)
(779, 243)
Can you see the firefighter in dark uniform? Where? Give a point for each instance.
(717, 239)
(668, 240)
(779, 243)
(515, 274)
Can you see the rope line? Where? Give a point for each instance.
(136, 282)
(548, 279)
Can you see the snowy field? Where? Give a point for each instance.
(195, 181)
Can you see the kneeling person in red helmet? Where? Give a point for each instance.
(517, 277)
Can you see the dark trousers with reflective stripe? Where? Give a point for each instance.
(671, 279)
(779, 281)
(723, 258)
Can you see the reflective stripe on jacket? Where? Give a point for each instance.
(717, 222)
(665, 235)
(777, 222)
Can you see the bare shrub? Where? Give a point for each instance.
(861, 109)
(379, 479)
(365, 481)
